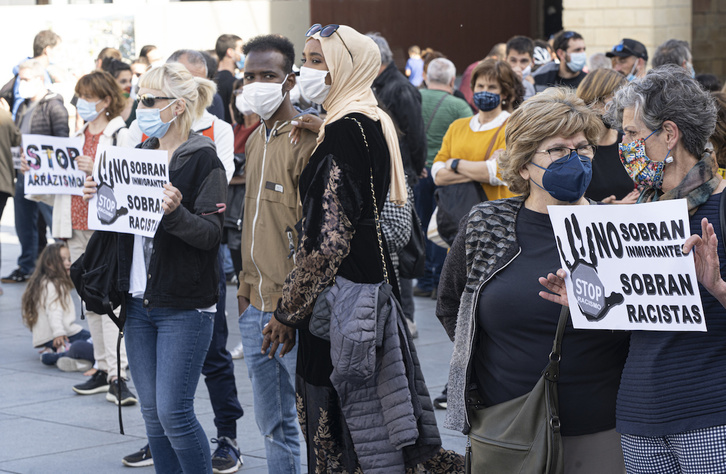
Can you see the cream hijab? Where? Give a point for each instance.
(351, 92)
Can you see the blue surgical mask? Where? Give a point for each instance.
(87, 110)
(691, 71)
(577, 61)
(631, 77)
(150, 122)
(241, 63)
(567, 179)
(486, 101)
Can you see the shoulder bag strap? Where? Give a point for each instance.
(375, 205)
(431, 118)
(494, 139)
(552, 371)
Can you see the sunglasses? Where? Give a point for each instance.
(326, 32)
(149, 99)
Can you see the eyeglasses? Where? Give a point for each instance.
(559, 152)
(149, 99)
(326, 32)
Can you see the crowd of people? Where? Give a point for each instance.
(293, 182)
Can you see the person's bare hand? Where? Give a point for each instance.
(276, 333)
(630, 198)
(308, 122)
(424, 174)
(24, 166)
(172, 198)
(242, 304)
(85, 164)
(89, 188)
(705, 255)
(555, 285)
(59, 341)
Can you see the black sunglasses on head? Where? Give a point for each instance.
(326, 32)
(150, 99)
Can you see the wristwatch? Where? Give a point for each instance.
(455, 166)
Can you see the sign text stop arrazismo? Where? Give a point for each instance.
(625, 266)
(52, 162)
(130, 190)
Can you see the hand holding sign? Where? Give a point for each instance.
(128, 192)
(626, 268)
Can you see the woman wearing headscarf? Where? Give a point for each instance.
(671, 405)
(356, 162)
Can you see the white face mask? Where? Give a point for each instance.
(242, 105)
(264, 97)
(29, 89)
(312, 84)
(527, 71)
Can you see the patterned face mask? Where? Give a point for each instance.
(642, 170)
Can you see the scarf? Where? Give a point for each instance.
(350, 92)
(698, 185)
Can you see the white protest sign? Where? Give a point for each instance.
(52, 162)
(15, 153)
(130, 190)
(625, 268)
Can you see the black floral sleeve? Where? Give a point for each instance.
(331, 209)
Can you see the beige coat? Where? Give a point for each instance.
(54, 320)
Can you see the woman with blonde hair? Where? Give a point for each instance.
(610, 182)
(489, 301)
(172, 278)
(342, 190)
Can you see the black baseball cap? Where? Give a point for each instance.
(628, 47)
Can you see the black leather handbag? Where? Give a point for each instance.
(412, 257)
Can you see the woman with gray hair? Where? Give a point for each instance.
(671, 408)
(488, 295)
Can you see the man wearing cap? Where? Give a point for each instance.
(629, 58)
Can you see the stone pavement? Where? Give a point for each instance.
(46, 427)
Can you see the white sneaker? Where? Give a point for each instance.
(237, 352)
(68, 364)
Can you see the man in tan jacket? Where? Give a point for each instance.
(269, 240)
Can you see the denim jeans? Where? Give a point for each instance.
(273, 388)
(166, 349)
(435, 255)
(26, 226)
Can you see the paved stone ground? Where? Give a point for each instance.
(46, 427)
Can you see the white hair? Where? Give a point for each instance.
(441, 71)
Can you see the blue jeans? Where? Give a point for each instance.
(166, 348)
(218, 371)
(273, 388)
(26, 225)
(435, 255)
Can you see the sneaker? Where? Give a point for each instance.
(440, 401)
(96, 384)
(17, 276)
(117, 387)
(231, 278)
(412, 328)
(69, 364)
(226, 458)
(140, 458)
(237, 352)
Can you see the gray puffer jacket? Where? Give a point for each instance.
(485, 244)
(371, 360)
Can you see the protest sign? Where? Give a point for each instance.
(625, 267)
(15, 153)
(52, 162)
(130, 190)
